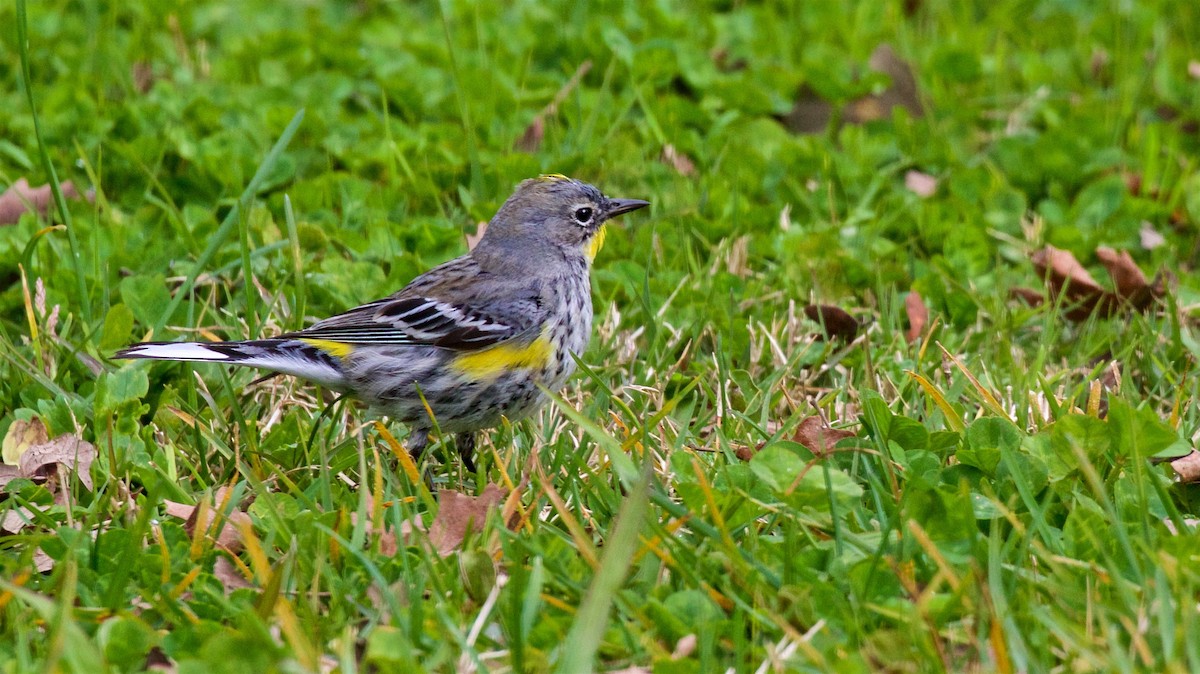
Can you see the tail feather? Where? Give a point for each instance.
(285, 356)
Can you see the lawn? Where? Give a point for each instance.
(895, 375)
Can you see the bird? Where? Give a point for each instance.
(473, 341)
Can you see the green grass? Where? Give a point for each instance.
(257, 165)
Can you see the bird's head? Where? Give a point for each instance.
(561, 211)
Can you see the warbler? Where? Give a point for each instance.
(478, 338)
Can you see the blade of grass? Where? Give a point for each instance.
(60, 202)
(231, 219)
(591, 622)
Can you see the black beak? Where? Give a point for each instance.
(619, 206)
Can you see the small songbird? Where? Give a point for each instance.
(476, 336)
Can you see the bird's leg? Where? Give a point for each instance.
(466, 449)
(417, 439)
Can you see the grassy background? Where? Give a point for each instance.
(1024, 535)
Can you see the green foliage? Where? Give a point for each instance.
(259, 165)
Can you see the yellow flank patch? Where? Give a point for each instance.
(335, 349)
(596, 242)
(491, 362)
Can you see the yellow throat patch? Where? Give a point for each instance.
(596, 242)
(490, 363)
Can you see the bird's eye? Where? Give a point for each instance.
(583, 215)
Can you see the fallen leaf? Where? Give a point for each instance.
(158, 661)
(684, 647)
(16, 519)
(903, 91)
(176, 509)
(836, 323)
(1067, 276)
(142, 74)
(21, 436)
(1149, 237)
(390, 539)
(204, 516)
(1028, 295)
(42, 562)
(677, 160)
(747, 452)
(473, 239)
(1131, 283)
(228, 574)
(809, 114)
(1100, 62)
(531, 140)
(1065, 271)
(785, 217)
(721, 59)
(1187, 468)
(1190, 522)
(921, 184)
(459, 514)
(20, 197)
(55, 459)
(918, 316)
(817, 436)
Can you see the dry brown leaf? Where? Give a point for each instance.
(56, 459)
(20, 197)
(1066, 275)
(1187, 467)
(817, 436)
(747, 452)
(142, 74)
(1099, 64)
(8, 474)
(204, 516)
(1131, 283)
(903, 91)
(16, 519)
(1190, 522)
(677, 160)
(1149, 237)
(836, 323)
(158, 661)
(809, 114)
(531, 140)
(918, 316)
(921, 184)
(175, 509)
(228, 574)
(42, 562)
(459, 513)
(21, 436)
(474, 239)
(1066, 272)
(1028, 295)
(390, 539)
(1084, 296)
(684, 647)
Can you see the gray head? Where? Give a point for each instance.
(564, 213)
